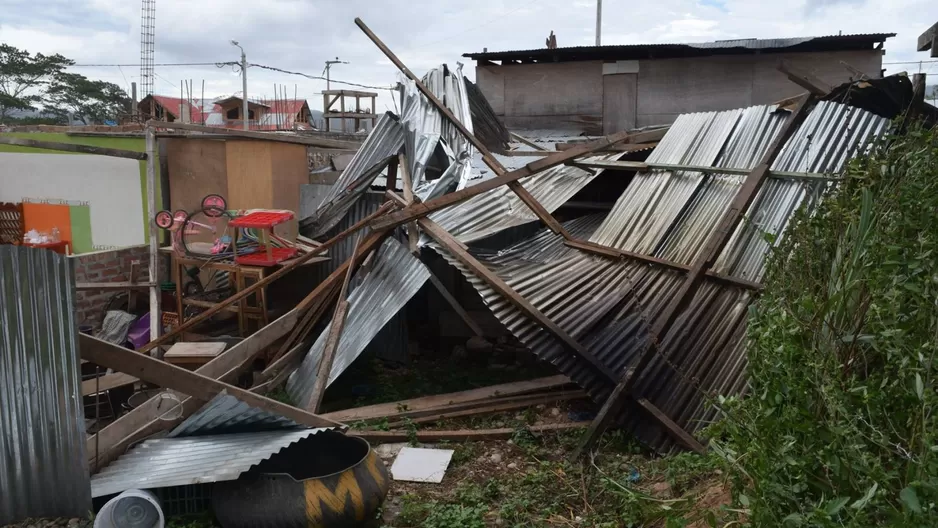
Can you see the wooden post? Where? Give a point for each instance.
(412, 235)
(154, 264)
(715, 244)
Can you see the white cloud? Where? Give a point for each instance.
(299, 35)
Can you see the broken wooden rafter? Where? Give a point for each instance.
(611, 252)
(197, 385)
(70, 147)
(487, 156)
(929, 40)
(287, 268)
(715, 245)
(495, 406)
(444, 239)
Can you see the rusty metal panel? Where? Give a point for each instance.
(43, 468)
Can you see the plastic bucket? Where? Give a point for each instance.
(131, 509)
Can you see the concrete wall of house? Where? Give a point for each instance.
(114, 189)
(570, 95)
(109, 266)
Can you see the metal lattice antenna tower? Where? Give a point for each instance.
(147, 45)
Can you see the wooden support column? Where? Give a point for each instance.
(154, 258)
(442, 237)
(717, 241)
(487, 157)
(192, 383)
(413, 237)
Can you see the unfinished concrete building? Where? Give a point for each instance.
(603, 89)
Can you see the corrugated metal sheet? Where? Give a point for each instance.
(379, 294)
(609, 305)
(226, 414)
(164, 462)
(737, 44)
(382, 144)
(43, 468)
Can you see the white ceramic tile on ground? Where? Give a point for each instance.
(416, 464)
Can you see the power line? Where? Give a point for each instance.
(321, 78)
(912, 62)
(222, 63)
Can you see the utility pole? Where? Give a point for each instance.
(599, 22)
(329, 64)
(244, 86)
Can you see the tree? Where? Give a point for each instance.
(22, 77)
(87, 100)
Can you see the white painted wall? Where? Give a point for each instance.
(111, 186)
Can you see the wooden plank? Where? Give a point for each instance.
(715, 244)
(110, 286)
(483, 408)
(526, 141)
(538, 209)
(422, 209)
(495, 282)
(143, 421)
(106, 382)
(287, 268)
(926, 40)
(193, 384)
(328, 355)
(804, 79)
(383, 410)
(463, 435)
(268, 136)
(413, 237)
(391, 181)
(69, 147)
(673, 429)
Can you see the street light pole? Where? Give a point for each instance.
(599, 22)
(329, 67)
(244, 86)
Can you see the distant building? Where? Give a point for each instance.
(603, 89)
(287, 114)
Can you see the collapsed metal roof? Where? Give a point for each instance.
(609, 305)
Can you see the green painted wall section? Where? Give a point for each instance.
(132, 144)
(80, 216)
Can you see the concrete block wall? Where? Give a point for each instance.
(108, 266)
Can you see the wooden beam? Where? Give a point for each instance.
(106, 382)
(463, 435)
(926, 41)
(442, 237)
(527, 141)
(423, 209)
(611, 252)
(185, 381)
(69, 147)
(539, 210)
(391, 181)
(148, 418)
(313, 141)
(384, 410)
(485, 407)
(643, 166)
(804, 79)
(109, 286)
(287, 268)
(715, 244)
(673, 429)
(413, 237)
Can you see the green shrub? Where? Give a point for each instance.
(838, 427)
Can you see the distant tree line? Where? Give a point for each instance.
(34, 81)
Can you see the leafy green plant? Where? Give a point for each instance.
(837, 429)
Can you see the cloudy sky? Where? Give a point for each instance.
(299, 35)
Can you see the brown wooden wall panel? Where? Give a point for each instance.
(249, 174)
(197, 167)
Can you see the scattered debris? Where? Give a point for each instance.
(415, 464)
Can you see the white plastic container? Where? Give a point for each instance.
(131, 509)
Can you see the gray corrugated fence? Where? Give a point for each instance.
(43, 469)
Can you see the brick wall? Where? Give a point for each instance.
(109, 266)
